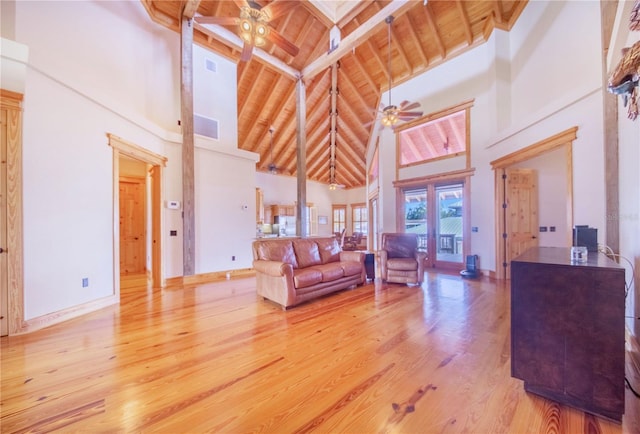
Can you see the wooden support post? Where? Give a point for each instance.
(610, 115)
(186, 97)
(301, 165)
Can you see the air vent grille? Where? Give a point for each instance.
(210, 65)
(205, 126)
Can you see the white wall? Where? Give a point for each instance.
(518, 102)
(95, 68)
(629, 179)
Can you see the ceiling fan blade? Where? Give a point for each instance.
(279, 8)
(405, 105)
(241, 3)
(281, 42)
(404, 114)
(247, 50)
(222, 21)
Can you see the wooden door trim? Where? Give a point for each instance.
(563, 139)
(158, 162)
(12, 102)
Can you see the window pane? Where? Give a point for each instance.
(445, 136)
(449, 223)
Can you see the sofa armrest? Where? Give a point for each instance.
(350, 255)
(273, 268)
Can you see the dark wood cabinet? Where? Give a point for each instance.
(567, 329)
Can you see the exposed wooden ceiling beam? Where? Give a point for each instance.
(403, 54)
(190, 8)
(465, 21)
(228, 37)
(416, 40)
(357, 37)
(344, 78)
(434, 31)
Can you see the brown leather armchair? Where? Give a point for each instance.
(400, 260)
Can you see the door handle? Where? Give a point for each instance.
(533, 237)
(2, 250)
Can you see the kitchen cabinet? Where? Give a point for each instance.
(567, 329)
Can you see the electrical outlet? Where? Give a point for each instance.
(85, 282)
(543, 229)
(233, 258)
(552, 228)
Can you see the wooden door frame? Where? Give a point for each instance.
(158, 162)
(12, 102)
(561, 140)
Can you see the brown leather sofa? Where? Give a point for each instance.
(400, 260)
(293, 270)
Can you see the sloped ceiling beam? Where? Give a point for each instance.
(397, 7)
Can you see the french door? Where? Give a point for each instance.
(436, 212)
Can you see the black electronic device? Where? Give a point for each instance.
(585, 236)
(472, 267)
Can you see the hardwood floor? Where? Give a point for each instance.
(215, 358)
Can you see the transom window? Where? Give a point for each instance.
(440, 135)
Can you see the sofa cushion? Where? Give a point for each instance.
(303, 277)
(401, 247)
(281, 251)
(402, 264)
(330, 272)
(351, 268)
(329, 250)
(307, 253)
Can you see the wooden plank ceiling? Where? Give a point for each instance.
(422, 36)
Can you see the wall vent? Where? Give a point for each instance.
(210, 65)
(205, 126)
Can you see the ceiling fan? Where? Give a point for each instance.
(392, 114)
(254, 25)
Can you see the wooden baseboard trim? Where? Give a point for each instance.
(43, 321)
(215, 276)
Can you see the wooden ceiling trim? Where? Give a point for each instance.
(396, 7)
(466, 26)
(434, 31)
(498, 14)
(160, 17)
(487, 29)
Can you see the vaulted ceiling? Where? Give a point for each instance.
(423, 35)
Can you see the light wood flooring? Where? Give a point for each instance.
(216, 358)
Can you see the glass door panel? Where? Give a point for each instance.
(415, 213)
(449, 223)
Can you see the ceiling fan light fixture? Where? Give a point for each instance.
(390, 116)
(253, 26)
(333, 186)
